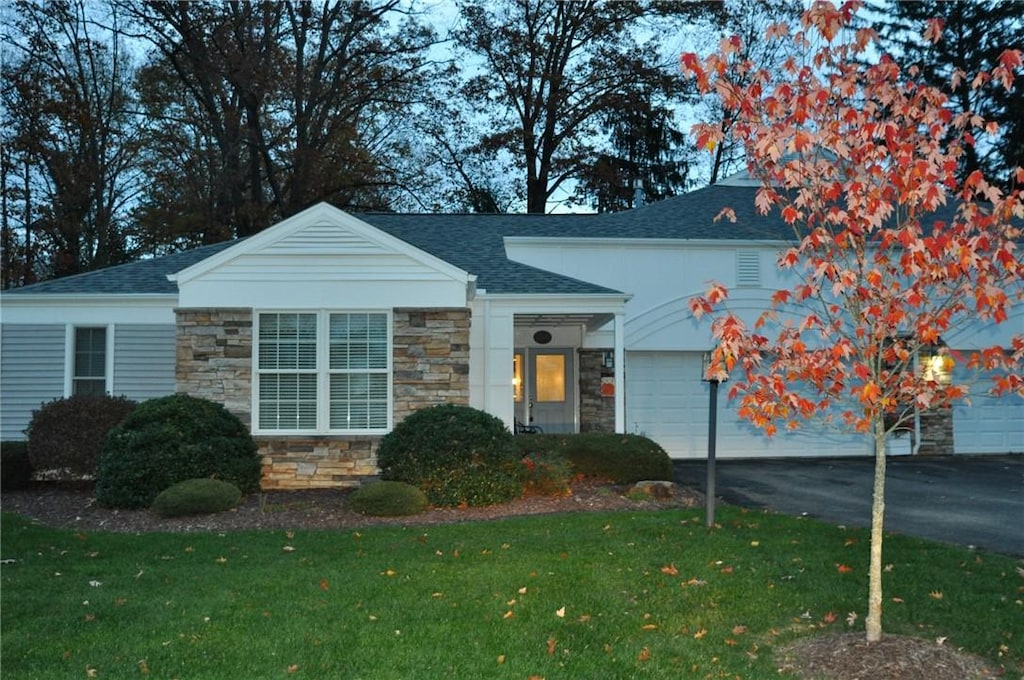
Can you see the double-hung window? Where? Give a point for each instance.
(89, 372)
(319, 372)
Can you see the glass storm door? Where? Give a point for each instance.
(549, 398)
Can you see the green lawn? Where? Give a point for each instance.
(587, 595)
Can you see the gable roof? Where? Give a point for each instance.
(474, 243)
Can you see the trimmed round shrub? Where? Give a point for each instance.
(456, 454)
(169, 440)
(15, 467)
(388, 499)
(66, 436)
(196, 497)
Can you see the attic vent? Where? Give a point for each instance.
(748, 268)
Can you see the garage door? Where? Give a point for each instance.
(987, 424)
(667, 401)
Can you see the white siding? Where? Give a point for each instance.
(31, 373)
(667, 401)
(144, 358)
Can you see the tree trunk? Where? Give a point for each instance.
(873, 622)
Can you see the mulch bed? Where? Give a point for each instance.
(72, 506)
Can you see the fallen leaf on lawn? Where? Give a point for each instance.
(935, 594)
(940, 640)
(511, 602)
(700, 634)
(829, 617)
(437, 596)
(739, 630)
(848, 542)
(221, 560)
(522, 591)
(91, 672)
(324, 585)
(843, 568)
(95, 584)
(143, 667)
(754, 544)
(90, 617)
(644, 655)
(560, 613)
(288, 548)
(289, 534)
(731, 642)
(552, 643)
(501, 659)
(509, 614)
(888, 568)
(120, 601)
(388, 572)
(898, 600)
(294, 668)
(670, 570)
(536, 677)
(584, 618)
(851, 619)
(649, 626)
(727, 570)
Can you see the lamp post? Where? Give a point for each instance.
(709, 487)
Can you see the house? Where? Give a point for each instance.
(325, 330)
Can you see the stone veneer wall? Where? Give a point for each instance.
(430, 364)
(937, 432)
(597, 413)
(431, 359)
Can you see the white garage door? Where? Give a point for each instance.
(667, 401)
(987, 424)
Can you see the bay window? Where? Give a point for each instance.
(320, 372)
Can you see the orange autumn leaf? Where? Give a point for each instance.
(843, 568)
(552, 643)
(324, 585)
(644, 655)
(670, 570)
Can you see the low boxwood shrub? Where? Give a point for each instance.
(66, 436)
(169, 440)
(619, 458)
(456, 454)
(196, 497)
(546, 474)
(388, 499)
(15, 466)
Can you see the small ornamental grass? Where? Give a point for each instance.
(196, 497)
(388, 499)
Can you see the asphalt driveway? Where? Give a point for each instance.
(967, 500)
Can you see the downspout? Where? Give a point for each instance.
(917, 412)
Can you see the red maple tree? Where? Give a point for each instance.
(890, 251)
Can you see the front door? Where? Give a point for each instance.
(548, 399)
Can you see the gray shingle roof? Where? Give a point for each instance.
(474, 243)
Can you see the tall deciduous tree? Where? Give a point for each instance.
(891, 252)
(71, 137)
(552, 73)
(260, 109)
(974, 35)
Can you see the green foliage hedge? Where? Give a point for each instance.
(169, 440)
(619, 458)
(15, 466)
(388, 499)
(67, 435)
(455, 454)
(196, 497)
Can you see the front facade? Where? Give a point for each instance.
(324, 331)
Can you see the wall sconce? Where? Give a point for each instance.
(936, 364)
(608, 360)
